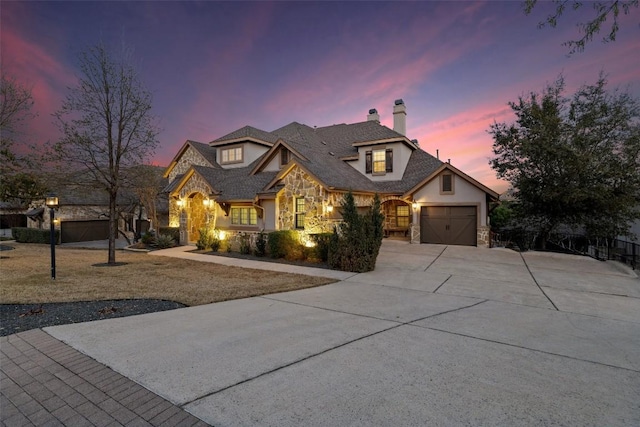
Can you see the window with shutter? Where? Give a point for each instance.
(367, 161)
(389, 160)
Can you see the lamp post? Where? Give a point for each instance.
(52, 202)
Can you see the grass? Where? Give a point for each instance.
(25, 278)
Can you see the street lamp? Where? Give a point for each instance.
(52, 202)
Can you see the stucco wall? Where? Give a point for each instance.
(401, 154)
(465, 194)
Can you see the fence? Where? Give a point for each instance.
(598, 248)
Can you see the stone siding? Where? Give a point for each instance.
(189, 158)
(299, 184)
(484, 236)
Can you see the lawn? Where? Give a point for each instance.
(25, 278)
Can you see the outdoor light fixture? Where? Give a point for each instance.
(329, 208)
(206, 202)
(52, 202)
(415, 205)
(180, 203)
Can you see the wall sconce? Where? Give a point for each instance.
(415, 205)
(206, 203)
(329, 208)
(180, 203)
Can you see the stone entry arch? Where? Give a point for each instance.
(196, 216)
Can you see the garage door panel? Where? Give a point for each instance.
(84, 231)
(451, 225)
(463, 231)
(435, 230)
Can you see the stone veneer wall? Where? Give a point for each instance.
(299, 184)
(180, 217)
(190, 157)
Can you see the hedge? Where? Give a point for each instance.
(170, 231)
(33, 235)
(285, 244)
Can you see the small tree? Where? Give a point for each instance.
(107, 125)
(573, 161)
(355, 245)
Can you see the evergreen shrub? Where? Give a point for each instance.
(33, 235)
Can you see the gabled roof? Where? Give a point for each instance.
(247, 133)
(266, 158)
(448, 166)
(207, 152)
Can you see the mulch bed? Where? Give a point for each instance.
(267, 259)
(16, 318)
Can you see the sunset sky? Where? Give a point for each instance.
(214, 67)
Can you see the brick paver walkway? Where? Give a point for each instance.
(44, 382)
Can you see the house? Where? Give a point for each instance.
(295, 177)
(83, 212)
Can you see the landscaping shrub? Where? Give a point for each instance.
(33, 235)
(261, 244)
(322, 241)
(174, 232)
(355, 244)
(205, 239)
(245, 244)
(164, 241)
(285, 244)
(148, 238)
(215, 244)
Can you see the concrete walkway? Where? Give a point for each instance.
(437, 335)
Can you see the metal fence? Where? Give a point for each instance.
(598, 248)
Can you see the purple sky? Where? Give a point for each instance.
(214, 67)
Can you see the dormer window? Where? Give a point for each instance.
(231, 155)
(284, 156)
(379, 161)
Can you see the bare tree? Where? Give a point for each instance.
(603, 11)
(107, 124)
(17, 182)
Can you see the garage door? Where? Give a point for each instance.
(84, 231)
(448, 225)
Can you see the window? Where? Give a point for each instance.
(299, 212)
(231, 155)
(379, 162)
(402, 216)
(284, 156)
(446, 183)
(244, 216)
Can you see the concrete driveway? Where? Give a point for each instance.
(437, 335)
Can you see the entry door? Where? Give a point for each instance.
(448, 225)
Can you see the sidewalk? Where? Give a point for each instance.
(46, 382)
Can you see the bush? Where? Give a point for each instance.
(261, 244)
(164, 241)
(356, 244)
(322, 241)
(215, 244)
(205, 239)
(148, 238)
(245, 244)
(174, 232)
(33, 235)
(285, 244)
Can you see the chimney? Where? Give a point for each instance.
(400, 117)
(373, 116)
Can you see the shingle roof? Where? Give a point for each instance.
(236, 183)
(248, 132)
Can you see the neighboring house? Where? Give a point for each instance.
(295, 177)
(83, 213)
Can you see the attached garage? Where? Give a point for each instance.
(449, 225)
(84, 231)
